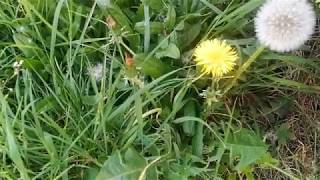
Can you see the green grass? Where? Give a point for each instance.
(161, 120)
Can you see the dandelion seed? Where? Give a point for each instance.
(96, 71)
(215, 57)
(285, 25)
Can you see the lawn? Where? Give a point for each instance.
(159, 89)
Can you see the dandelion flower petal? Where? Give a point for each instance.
(215, 57)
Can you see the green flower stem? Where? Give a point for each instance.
(146, 28)
(244, 67)
(127, 48)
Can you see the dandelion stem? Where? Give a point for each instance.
(146, 28)
(199, 77)
(127, 48)
(244, 67)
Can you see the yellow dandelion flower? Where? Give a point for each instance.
(215, 57)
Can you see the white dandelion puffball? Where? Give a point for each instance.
(96, 71)
(284, 25)
(103, 3)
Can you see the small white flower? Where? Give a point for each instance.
(96, 71)
(17, 66)
(284, 25)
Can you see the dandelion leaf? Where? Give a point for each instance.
(247, 147)
(125, 167)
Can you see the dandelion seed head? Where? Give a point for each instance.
(96, 71)
(102, 3)
(215, 57)
(284, 25)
